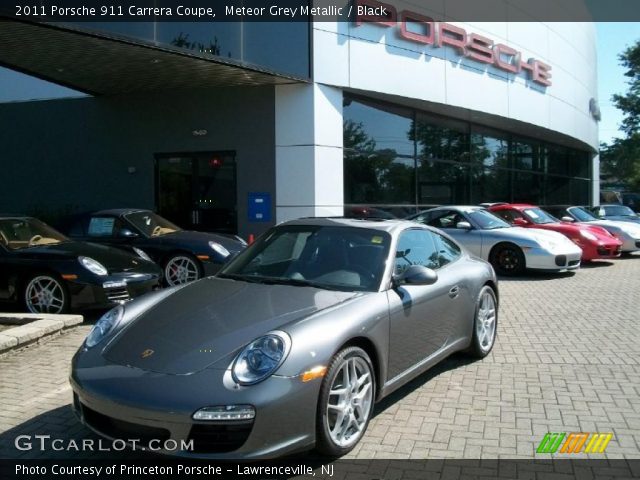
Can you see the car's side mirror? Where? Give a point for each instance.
(463, 225)
(126, 233)
(416, 275)
(520, 222)
(567, 219)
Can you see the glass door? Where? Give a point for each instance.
(197, 191)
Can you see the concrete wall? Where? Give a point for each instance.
(60, 156)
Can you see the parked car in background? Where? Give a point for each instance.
(290, 345)
(509, 249)
(365, 211)
(616, 212)
(184, 255)
(626, 232)
(46, 272)
(595, 242)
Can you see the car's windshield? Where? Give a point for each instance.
(338, 258)
(582, 215)
(619, 210)
(18, 233)
(539, 217)
(151, 224)
(487, 220)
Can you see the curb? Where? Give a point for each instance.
(22, 335)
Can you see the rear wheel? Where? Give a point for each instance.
(485, 325)
(181, 268)
(46, 294)
(507, 259)
(346, 402)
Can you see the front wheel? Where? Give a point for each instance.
(181, 268)
(507, 259)
(346, 402)
(46, 294)
(485, 325)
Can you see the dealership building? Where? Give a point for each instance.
(236, 126)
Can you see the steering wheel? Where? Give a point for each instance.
(363, 271)
(34, 239)
(156, 231)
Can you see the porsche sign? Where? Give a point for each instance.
(425, 31)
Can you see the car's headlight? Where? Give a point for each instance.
(93, 266)
(588, 235)
(142, 254)
(220, 249)
(261, 358)
(103, 326)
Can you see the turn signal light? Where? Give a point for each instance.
(316, 372)
(226, 413)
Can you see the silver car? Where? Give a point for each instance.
(509, 249)
(290, 345)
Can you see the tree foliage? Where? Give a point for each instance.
(622, 157)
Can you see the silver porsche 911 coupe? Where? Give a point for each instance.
(290, 345)
(511, 250)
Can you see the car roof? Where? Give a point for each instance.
(386, 225)
(119, 211)
(12, 215)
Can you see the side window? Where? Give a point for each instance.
(416, 247)
(103, 227)
(508, 215)
(446, 219)
(447, 250)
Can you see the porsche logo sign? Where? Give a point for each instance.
(147, 353)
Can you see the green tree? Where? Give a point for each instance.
(621, 158)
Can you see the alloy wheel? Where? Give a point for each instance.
(181, 269)
(45, 294)
(486, 321)
(350, 402)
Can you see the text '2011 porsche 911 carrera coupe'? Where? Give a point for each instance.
(291, 344)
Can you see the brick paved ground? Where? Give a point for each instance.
(567, 359)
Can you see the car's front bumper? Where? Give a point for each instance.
(111, 290)
(559, 259)
(133, 404)
(629, 244)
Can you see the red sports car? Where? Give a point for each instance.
(595, 242)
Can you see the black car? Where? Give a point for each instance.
(46, 272)
(183, 255)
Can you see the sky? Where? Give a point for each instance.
(613, 38)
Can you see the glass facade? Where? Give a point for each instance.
(253, 43)
(403, 160)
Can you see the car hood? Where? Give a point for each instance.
(113, 259)
(190, 237)
(621, 218)
(529, 234)
(617, 226)
(207, 320)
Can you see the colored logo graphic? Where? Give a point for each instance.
(574, 442)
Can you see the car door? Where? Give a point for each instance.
(470, 238)
(421, 315)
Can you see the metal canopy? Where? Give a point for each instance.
(102, 65)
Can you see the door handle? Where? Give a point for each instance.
(453, 293)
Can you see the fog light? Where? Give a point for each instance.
(226, 412)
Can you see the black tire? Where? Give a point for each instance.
(325, 443)
(58, 298)
(479, 348)
(196, 270)
(507, 259)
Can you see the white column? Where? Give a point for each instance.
(595, 185)
(309, 176)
